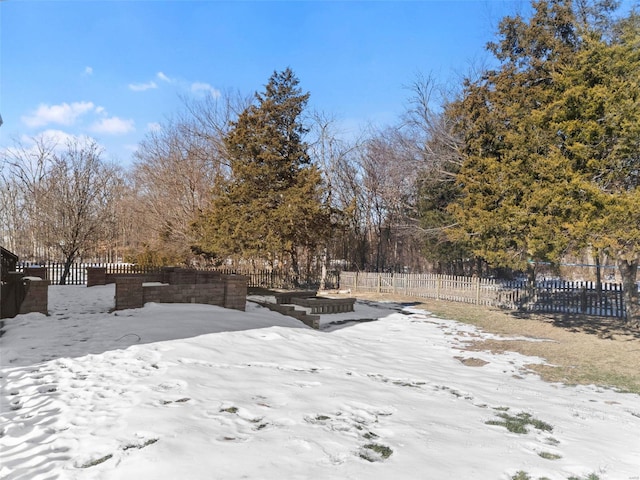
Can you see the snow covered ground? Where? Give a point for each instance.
(199, 392)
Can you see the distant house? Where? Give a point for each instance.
(9, 262)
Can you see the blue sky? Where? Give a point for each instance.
(114, 69)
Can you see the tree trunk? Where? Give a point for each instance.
(530, 297)
(323, 275)
(67, 268)
(295, 267)
(531, 273)
(598, 274)
(478, 263)
(629, 271)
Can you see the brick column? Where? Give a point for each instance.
(36, 298)
(96, 276)
(235, 291)
(129, 293)
(167, 273)
(40, 272)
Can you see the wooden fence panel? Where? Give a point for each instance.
(544, 297)
(78, 271)
(554, 296)
(257, 278)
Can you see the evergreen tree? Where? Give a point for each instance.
(271, 206)
(597, 119)
(436, 192)
(551, 144)
(503, 212)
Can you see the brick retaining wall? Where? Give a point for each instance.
(235, 291)
(36, 297)
(96, 276)
(40, 272)
(210, 294)
(129, 293)
(99, 276)
(209, 288)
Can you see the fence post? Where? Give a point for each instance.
(379, 282)
(477, 280)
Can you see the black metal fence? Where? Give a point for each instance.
(558, 296)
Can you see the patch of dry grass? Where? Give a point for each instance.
(582, 349)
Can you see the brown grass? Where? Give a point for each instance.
(581, 349)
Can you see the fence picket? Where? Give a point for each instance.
(258, 278)
(545, 296)
(556, 296)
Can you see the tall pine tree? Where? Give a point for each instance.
(271, 206)
(551, 144)
(512, 175)
(597, 118)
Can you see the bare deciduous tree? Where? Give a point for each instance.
(58, 201)
(175, 170)
(25, 168)
(78, 212)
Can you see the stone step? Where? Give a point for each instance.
(322, 305)
(312, 321)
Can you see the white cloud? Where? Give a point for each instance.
(88, 71)
(196, 88)
(200, 87)
(58, 137)
(113, 126)
(51, 140)
(141, 87)
(63, 114)
(164, 78)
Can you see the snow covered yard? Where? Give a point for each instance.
(199, 392)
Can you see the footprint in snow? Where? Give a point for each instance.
(359, 422)
(170, 386)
